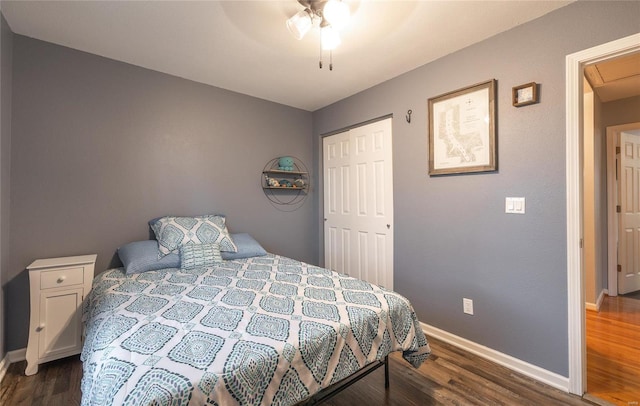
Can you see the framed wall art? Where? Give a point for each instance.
(525, 95)
(462, 134)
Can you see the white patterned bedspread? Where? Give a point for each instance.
(263, 330)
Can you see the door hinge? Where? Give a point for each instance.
(617, 150)
(581, 243)
(619, 268)
(618, 209)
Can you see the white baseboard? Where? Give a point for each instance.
(4, 365)
(525, 368)
(596, 306)
(10, 358)
(17, 355)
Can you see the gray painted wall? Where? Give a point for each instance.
(100, 147)
(452, 237)
(6, 69)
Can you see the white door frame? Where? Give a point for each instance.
(613, 134)
(575, 279)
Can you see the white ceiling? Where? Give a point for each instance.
(245, 47)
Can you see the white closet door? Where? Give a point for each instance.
(358, 202)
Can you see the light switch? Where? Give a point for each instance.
(514, 205)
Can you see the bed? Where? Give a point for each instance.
(258, 330)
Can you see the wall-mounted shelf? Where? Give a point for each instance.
(285, 187)
(280, 172)
(297, 179)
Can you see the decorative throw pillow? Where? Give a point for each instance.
(199, 255)
(174, 232)
(142, 256)
(247, 247)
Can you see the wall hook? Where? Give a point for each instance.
(408, 116)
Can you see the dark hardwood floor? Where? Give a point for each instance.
(56, 383)
(451, 377)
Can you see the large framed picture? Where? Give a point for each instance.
(462, 133)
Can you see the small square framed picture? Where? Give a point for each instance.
(526, 94)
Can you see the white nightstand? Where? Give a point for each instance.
(57, 288)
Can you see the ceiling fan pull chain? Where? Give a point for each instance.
(320, 63)
(330, 60)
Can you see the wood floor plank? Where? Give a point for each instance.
(450, 377)
(613, 351)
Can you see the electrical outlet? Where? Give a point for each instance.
(467, 306)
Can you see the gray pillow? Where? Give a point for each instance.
(142, 256)
(247, 247)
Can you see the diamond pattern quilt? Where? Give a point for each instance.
(265, 330)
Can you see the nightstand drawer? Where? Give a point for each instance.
(61, 277)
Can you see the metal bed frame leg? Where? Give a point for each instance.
(344, 383)
(386, 372)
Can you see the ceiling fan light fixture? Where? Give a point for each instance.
(329, 37)
(300, 24)
(328, 15)
(337, 13)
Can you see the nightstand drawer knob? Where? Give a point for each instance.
(40, 327)
(56, 278)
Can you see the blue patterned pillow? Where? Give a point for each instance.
(174, 232)
(247, 247)
(200, 255)
(142, 256)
